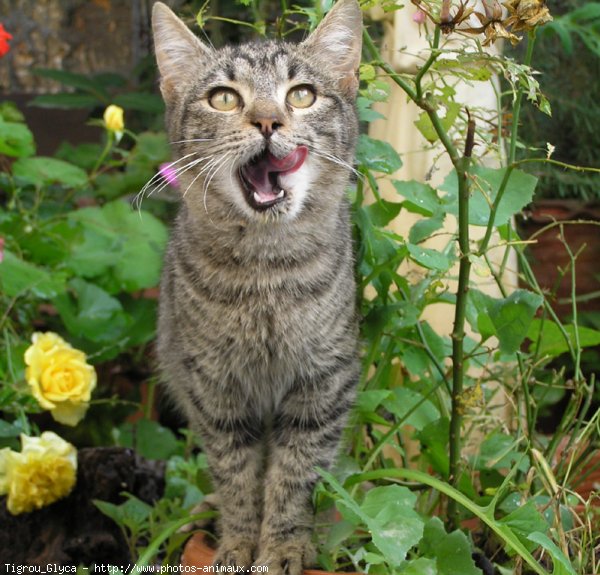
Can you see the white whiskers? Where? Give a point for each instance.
(158, 181)
(334, 159)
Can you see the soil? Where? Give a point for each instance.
(73, 531)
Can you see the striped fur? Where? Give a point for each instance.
(258, 329)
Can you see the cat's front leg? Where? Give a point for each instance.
(305, 435)
(234, 446)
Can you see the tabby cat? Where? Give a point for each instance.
(258, 327)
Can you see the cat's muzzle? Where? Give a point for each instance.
(261, 177)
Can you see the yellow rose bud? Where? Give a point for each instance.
(60, 378)
(113, 118)
(43, 472)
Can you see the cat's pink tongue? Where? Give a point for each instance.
(263, 173)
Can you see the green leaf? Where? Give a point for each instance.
(562, 565)
(84, 155)
(400, 314)
(132, 514)
(89, 312)
(16, 140)
(141, 101)
(553, 342)
(367, 72)
(508, 319)
(484, 188)
(150, 439)
(403, 400)
(17, 277)
(382, 212)
(47, 244)
(526, 520)
(151, 147)
(394, 525)
(65, 101)
(434, 439)
(419, 198)
(367, 401)
(377, 91)
(142, 314)
(423, 229)
(9, 430)
(377, 155)
(111, 510)
(365, 112)
(477, 66)
(452, 552)
(419, 566)
(42, 171)
(500, 451)
(387, 513)
(424, 125)
(429, 258)
(80, 81)
(10, 113)
(114, 237)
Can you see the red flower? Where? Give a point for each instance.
(4, 37)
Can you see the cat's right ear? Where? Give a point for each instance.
(177, 50)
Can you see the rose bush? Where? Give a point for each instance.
(59, 377)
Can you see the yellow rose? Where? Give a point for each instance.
(43, 472)
(113, 118)
(60, 378)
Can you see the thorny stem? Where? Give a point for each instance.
(458, 333)
(461, 165)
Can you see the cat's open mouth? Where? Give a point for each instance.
(261, 177)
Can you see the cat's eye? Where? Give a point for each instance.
(301, 97)
(224, 99)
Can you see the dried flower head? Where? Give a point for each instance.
(527, 14)
(522, 15)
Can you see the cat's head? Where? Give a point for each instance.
(262, 129)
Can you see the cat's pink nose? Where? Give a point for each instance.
(267, 125)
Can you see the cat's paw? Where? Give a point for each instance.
(287, 557)
(209, 503)
(234, 553)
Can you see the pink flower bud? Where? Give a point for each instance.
(169, 174)
(419, 17)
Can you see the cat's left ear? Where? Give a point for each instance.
(337, 42)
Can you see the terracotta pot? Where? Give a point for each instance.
(197, 553)
(591, 483)
(590, 471)
(549, 254)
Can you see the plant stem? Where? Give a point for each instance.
(512, 151)
(461, 165)
(458, 336)
(107, 148)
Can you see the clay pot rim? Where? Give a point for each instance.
(203, 555)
